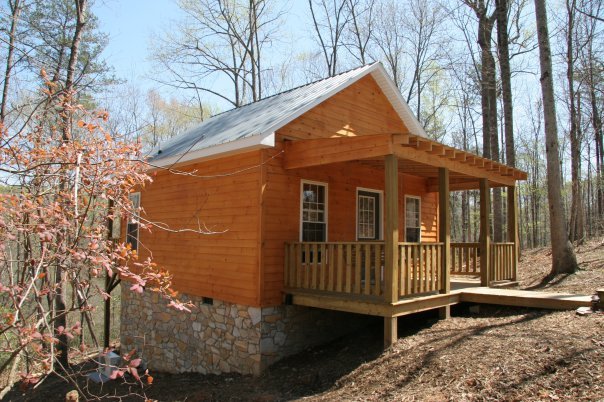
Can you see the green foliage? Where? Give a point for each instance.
(50, 25)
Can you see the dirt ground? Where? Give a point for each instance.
(535, 265)
(495, 353)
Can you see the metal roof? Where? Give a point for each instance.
(254, 124)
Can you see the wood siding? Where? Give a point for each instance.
(281, 209)
(225, 265)
(361, 109)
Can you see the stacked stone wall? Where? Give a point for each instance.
(211, 339)
(223, 337)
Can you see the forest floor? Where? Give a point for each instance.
(497, 353)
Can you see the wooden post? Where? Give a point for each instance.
(513, 228)
(485, 234)
(390, 331)
(391, 244)
(444, 229)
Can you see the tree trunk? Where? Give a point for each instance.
(596, 123)
(576, 224)
(73, 61)
(60, 306)
(490, 142)
(506, 80)
(563, 256)
(15, 11)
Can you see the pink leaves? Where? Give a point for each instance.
(137, 288)
(60, 330)
(45, 237)
(76, 329)
(133, 368)
(116, 374)
(179, 306)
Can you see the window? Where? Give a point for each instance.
(314, 211)
(368, 215)
(133, 219)
(412, 219)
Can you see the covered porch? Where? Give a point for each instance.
(390, 278)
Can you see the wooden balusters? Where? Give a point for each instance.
(420, 268)
(344, 267)
(464, 259)
(502, 261)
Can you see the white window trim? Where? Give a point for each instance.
(138, 223)
(320, 183)
(381, 206)
(420, 215)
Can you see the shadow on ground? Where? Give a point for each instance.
(308, 373)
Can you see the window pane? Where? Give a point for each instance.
(412, 219)
(313, 212)
(133, 219)
(367, 216)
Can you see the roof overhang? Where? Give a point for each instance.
(266, 140)
(421, 157)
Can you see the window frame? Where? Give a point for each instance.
(326, 212)
(135, 209)
(419, 207)
(380, 219)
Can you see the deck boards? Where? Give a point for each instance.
(524, 298)
(482, 295)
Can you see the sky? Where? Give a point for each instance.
(131, 25)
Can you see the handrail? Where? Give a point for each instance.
(357, 268)
(343, 267)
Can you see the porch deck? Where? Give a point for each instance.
(463, 294)
(352, 277)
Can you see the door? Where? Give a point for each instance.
(368, 215)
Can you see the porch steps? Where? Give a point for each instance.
(524, 298)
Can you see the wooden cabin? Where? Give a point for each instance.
(322, 205)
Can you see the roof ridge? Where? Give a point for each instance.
(294, 88)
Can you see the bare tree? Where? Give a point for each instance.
(563, 256)
(503, 48)
(330, 20)
(219, 40)
(423, 21)
(488, 82)
(389, 40)
(576, 215)
(360, 29)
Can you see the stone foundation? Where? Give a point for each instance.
(223, 337)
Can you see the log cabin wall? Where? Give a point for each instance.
(224, 265)
(360, 109)
(281, 209)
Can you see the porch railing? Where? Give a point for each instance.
(502, 261)
(346, 267)
(420, 265)
(465, 259)
(357, 268)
